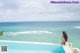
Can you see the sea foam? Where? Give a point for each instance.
(30, 32)
(77, 27)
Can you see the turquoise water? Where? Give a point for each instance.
(41, 31)
(31, 48)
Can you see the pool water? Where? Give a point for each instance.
(15, 47)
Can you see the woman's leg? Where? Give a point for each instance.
(76, 50)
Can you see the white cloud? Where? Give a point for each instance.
(1, 4)
(37, 10)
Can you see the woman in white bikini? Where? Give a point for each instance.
(68, 46)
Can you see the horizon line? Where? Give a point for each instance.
(40, 21)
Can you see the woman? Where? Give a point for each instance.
(65, 39)
(68, 46)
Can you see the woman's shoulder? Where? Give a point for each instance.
(69, 44)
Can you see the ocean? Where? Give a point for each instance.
(50, 31)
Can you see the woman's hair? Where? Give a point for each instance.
(65, 36)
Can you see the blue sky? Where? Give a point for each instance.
(37, 10)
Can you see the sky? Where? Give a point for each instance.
(38, 10)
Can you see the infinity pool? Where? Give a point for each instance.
(30, 47)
